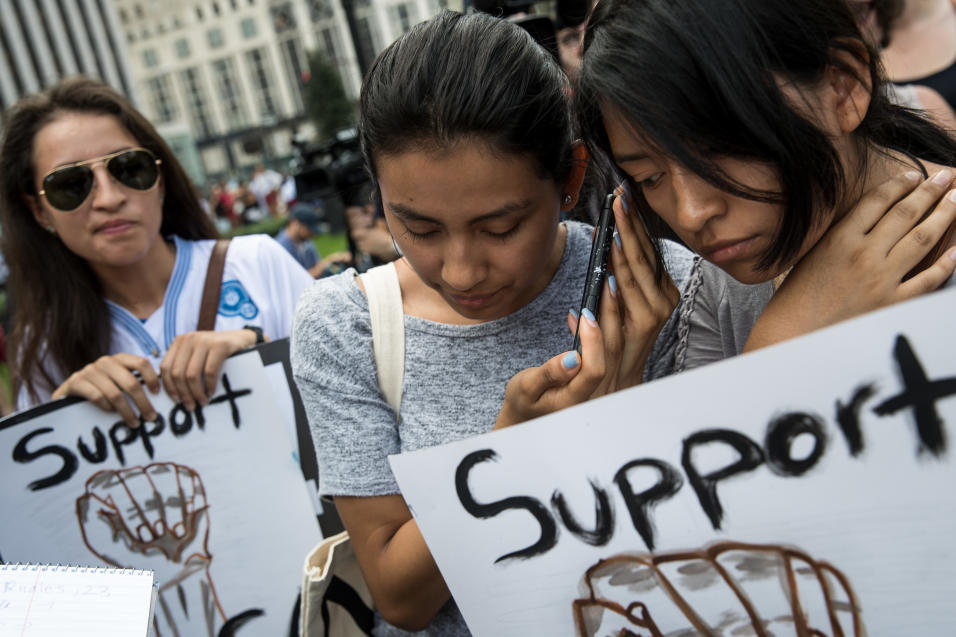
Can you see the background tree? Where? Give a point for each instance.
(326, 102)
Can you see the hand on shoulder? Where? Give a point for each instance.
(885, 250)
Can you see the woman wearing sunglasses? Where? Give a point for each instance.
(108, 249)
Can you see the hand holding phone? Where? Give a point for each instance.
(597, 264)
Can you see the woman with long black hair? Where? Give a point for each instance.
(108, 250)
(759, 132)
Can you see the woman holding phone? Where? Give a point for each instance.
(108, 247)
(768, 145)
(467, 134)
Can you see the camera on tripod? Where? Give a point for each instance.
(332, 174)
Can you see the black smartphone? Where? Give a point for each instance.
(597, 264)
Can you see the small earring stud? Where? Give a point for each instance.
(567, 199)
(50, 229)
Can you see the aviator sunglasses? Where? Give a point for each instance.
(67, 187)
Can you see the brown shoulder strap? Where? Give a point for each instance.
(210, 290)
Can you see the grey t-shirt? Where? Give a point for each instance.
(454, 380)
(717, 313)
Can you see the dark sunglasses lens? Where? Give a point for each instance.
(136, 169)
(66, 189)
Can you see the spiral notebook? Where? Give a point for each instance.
(52, 601)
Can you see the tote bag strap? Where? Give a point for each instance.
(384, 296)
(213, 285)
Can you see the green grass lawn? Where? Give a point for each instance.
(326, 244)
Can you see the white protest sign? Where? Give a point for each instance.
(213, 501)
(806, 487)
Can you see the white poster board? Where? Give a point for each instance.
(213, 501)
(808, 486)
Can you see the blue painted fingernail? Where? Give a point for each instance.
(617, 238)
(570, 360)
(574, 313)
(589, 316)
(613, 283)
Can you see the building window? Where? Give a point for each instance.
(215, 8)
(197, 102)
(230, 93)
(162, 99)
(296, 64)
(364, 41)
(328, 39)
(260, 79)
(234, 5)
(404, 19)
(319, 10)
(199, 15)
(182, 48)
(215, 38)
(150, 59)
(282, 18)
(248, 27)
(138, 10)
(123, 16)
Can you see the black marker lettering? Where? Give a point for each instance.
(782, 431)
(70, 463)
(146, 432)
(921, 394)
(120, 427)
(668, 483)
(101, 452)
(706, 486)
(549, 529)
(180, 420)
(231, 396)
(848, 417)
(233, 624)
(603, 517)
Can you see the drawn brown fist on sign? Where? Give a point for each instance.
(728, 588)
(148, 517)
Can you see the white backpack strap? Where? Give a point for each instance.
(388, 330)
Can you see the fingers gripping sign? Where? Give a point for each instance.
(115, 383)
(190, 369)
